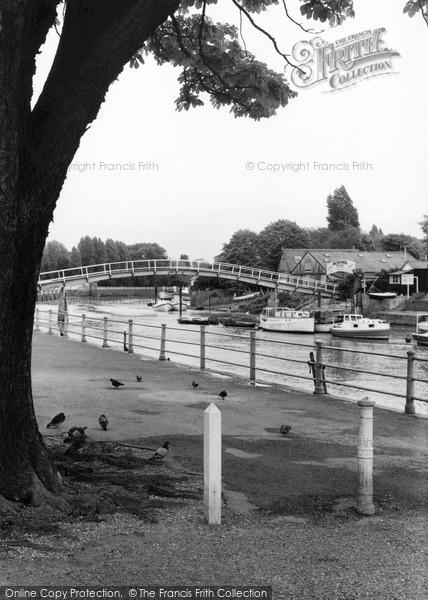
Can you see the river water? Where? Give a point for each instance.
(286, 354)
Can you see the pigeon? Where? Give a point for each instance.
(161, 452)
(138, 378)
(223, 394)
(57, 420)
(284, 429)
(116, 384)
(194, 385)
(75, 434)
(103, 421)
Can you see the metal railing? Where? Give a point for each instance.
(224, 353)
(261, 277)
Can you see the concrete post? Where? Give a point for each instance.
(410, 409)
(105, 333)
(202, 348)
(130, 337)
(365, 504)
(212, 465)
(319, 387)
(163, 342)
(37, 321)
(252, 356)
(83, 328)
(50, 332)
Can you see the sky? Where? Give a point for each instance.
(188, 180)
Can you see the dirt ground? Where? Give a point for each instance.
(288, 516)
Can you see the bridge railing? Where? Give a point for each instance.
(261, 277)
(262, 360)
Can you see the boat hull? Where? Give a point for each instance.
(373, 333)
(162, 306)
(296, 325)
(421, 338)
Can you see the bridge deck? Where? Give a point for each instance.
(263, 278)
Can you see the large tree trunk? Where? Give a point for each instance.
(36, 148)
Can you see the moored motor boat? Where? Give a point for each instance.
(358, 327)
(288, 320)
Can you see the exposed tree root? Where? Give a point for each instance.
(97, 480)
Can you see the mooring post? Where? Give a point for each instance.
(410, 409)
(365, 504)
(37, 321)
(83, 328)
(252, 357)
(131, 337)
(319, 384)
(65, 325)
(163, 342)
(202, 348)
(50, 332)
(212, 465)
(105, 333)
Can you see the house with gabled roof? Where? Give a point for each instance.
(335, 264)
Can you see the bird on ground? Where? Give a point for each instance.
(194, 385)
(116, 384)
(161, 452)
(57, 420)
(284, 429)
(103, 421)
(223, 394)
(138, 378)
(75, 434)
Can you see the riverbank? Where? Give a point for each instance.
(288, 517)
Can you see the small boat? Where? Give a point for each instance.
(382, 295)
(175, 301)
(358, 327)
(421, 334)
(246, 296)
(237, 323)
(162, 306)
(421, 338)
(198, 321)
(288, 320)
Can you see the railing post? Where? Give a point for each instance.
(252, 356)
(319, 387)
(105, 333)
(83, 328)
(163, 342)
(37, 321)
(410, 409)
(130, 337)
(212, 465)
(202, 348)
(50, 332)
(365, 504)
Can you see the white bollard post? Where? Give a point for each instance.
(212, 465)
(130, 337)
(365, 504)
(105, 333)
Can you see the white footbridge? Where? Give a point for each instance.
(281, 282)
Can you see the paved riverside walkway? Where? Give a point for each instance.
(286, 520)
(317, 458)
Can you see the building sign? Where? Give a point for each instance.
(343, 63)
(340, 266)
(407, 279)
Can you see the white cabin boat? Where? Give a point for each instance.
(288, 320)
(359, 327)
(175, 302)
